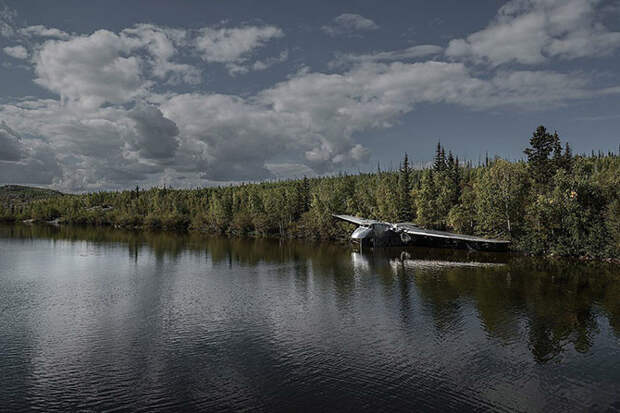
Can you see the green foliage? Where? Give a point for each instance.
(500, 203)
(462, 217)
(612, 215)
(571, 219)
(555, 203)
(426, 199)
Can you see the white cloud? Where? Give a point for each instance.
(532, 31)
(106, 67)
(109, 145)
(43, 31)
(91, 70)
(237, 136)
(349, 24)
(233, 46)
(104, 147)
(18, 52)
(310, 119)
(409, 53)
(163, 44)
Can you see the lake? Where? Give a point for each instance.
(99, 319)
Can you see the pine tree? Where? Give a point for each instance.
(542, 144)
(439, 163)
(405, 212)
(450, 160)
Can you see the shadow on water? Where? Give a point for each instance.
(560, 300)
(562, 303)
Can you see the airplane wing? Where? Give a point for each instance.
(356, 220)
(414, 230)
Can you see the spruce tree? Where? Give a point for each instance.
(542, 144)
(439, 163)
(405, 212)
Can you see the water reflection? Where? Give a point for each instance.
(187, 321)
(560, 301)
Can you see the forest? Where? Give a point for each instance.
(551, 203)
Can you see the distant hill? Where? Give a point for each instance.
(19, 194)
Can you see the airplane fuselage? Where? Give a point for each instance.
(373, 233)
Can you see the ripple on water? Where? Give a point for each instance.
(217, 325)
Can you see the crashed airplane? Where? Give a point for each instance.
(372, 233)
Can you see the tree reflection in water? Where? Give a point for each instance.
(560, 304)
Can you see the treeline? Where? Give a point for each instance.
(555, 203)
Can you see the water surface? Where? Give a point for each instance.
(95, 319)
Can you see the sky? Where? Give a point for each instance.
(113, 94)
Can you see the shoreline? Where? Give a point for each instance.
(344, 241)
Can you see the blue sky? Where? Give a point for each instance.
(110, 94)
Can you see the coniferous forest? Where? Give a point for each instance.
(551, 203)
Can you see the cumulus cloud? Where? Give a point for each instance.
(349, 24)
(91, 70)
(114, 68)
(163, 44)
(43, 31)
(18, 52)
(309, 119)
(532, 31)
(94, 148)
(313, 117)
(99, 140)
(237, 136)
(155, 137)
(233, 46)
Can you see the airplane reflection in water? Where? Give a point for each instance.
(395, 259)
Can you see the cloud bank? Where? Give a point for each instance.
(534, 31)
(131, 107)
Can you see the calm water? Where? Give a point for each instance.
(109, 320)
